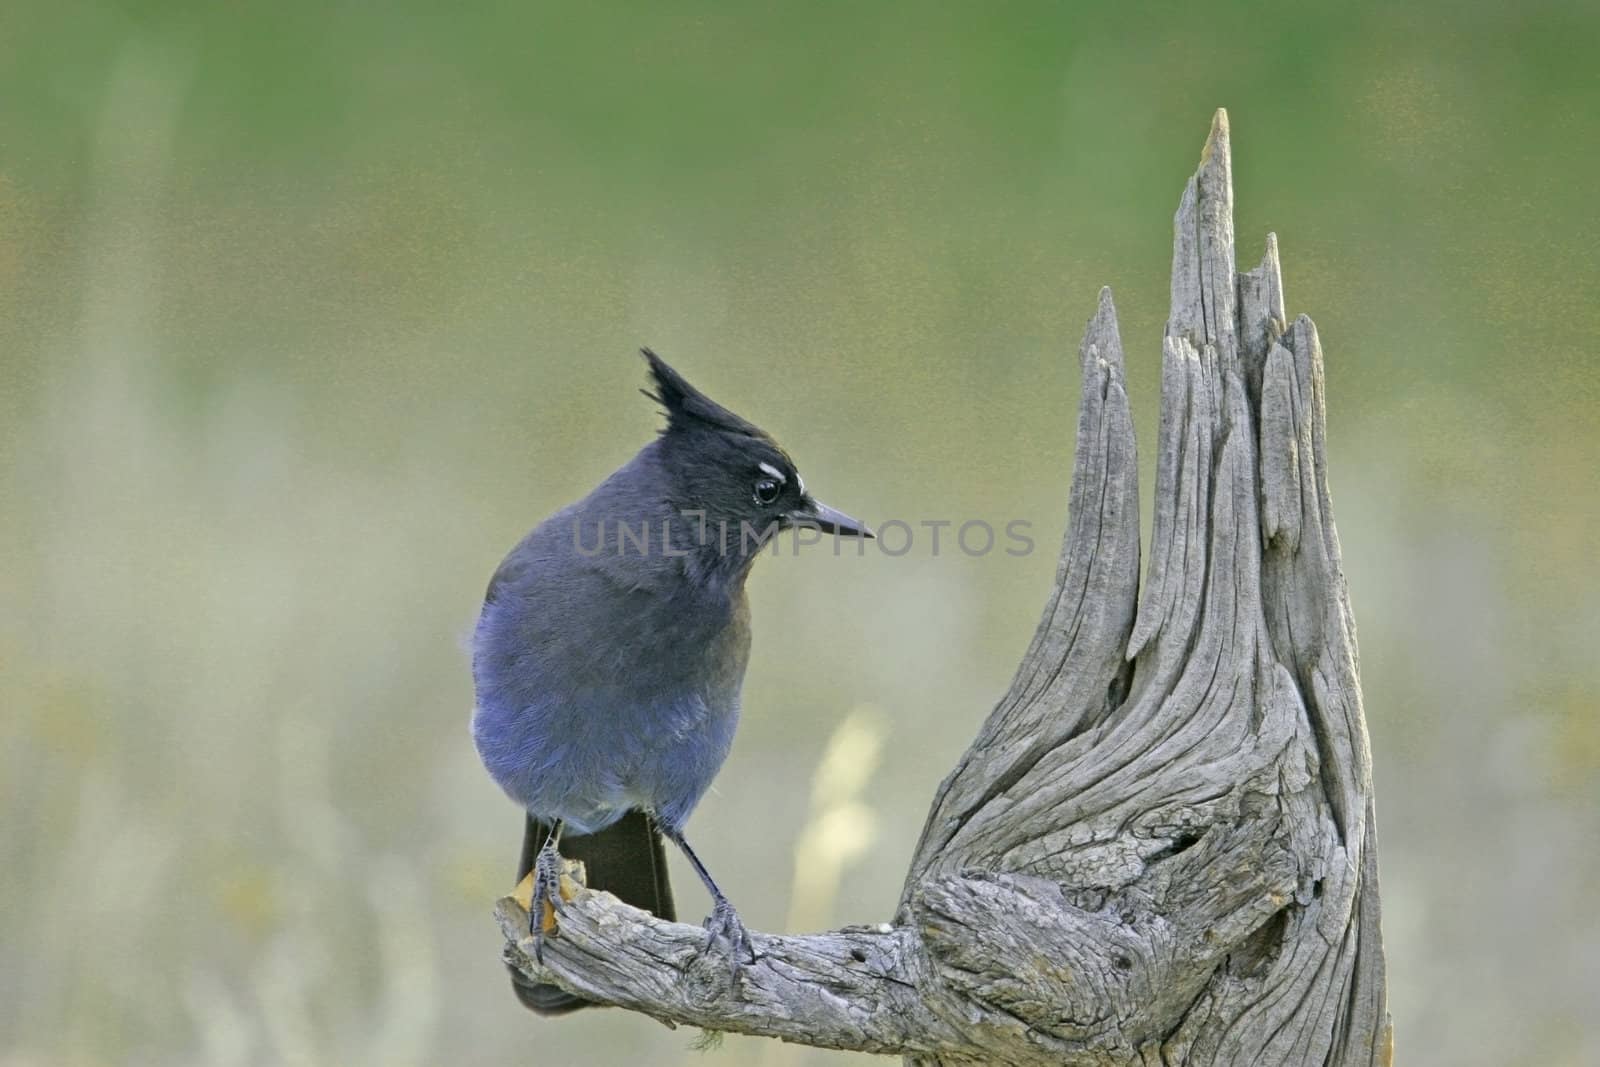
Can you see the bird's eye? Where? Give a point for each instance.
(767, 490)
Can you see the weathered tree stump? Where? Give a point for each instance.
(1160, 848)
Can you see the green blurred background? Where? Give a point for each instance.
(307, 312)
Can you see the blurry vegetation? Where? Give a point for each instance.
(307, 312)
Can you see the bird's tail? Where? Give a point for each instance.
(627, 859)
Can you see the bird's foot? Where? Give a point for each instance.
(546, 898)
(724, 925)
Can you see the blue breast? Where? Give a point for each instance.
(594, 700)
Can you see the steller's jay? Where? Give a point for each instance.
(608, 657)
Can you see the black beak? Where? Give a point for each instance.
(828, 520)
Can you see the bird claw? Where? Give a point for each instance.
(724, 924)
(546, 899)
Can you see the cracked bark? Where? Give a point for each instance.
(1160, 848)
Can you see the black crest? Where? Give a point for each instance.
(688, 408)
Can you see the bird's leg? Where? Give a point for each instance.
(723, 924)
(546, 891)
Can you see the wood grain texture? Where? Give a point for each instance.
(1160, 848)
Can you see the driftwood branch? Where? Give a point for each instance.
(1160, 848)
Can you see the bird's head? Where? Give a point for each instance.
(732, 470)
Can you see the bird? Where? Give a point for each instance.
(610, 652)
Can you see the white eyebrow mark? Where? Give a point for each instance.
(776, 473)
(801, 482)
